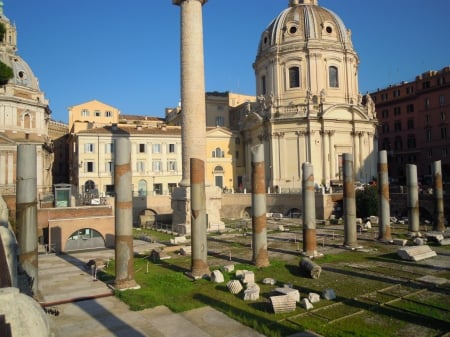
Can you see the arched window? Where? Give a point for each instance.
(142, 188)
(333, 77)
(263, 85)
(218, 153)
(218, 169)
(294, 77)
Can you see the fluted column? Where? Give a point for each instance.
(193, 131)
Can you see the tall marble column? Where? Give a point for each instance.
(350, 239)
(193, 131)
(412, 200)
(26, 213)
(193, 107)
(199, 243)
(383, 198)
(260, 252)
(123, 216)
(309, 211)
(439, 224)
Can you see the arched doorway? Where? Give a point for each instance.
(142, 188)
(86, 238)
(218, 176)
(89, 186)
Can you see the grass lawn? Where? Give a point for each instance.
(376, 294)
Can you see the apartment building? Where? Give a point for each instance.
(414, 124)
(155, 159)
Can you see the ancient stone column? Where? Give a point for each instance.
(412, 199)
(123, 215)
(199, 263)
(309, 210)
(350, 239)
(439, 224)
(383, 198)
(26, 213)
(193, 131)
(259, 224)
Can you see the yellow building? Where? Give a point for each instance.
(218, 105)
(92, 114)
(155, 159)
(223, 157)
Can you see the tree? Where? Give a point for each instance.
(2, 32)
(6, 73)
(367, 202)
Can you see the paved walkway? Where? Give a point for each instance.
(83, 307)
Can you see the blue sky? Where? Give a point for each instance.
(126, 54)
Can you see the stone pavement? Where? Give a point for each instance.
(78, 306)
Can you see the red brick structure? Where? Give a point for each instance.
(414, 124)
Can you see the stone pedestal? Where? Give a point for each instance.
(181, 219)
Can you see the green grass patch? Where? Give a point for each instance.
(360, 285)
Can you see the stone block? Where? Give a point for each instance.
(269, 280)
(234, 286)
(157, 255)
(305, 303)
(310, 267)
(314, 297)
(294, 293)
(178, 239)
(416, 253)
(217, 276)
(252, 292)
(239, 273)
(400, 242)
(228, 268)
(329, 294)
(186, 251)
(419, 241)
(248, 277)
(445, 242)
(435, 236)
(283, 303)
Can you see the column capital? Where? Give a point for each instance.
(178, 2)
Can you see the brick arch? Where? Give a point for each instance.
(61, 229)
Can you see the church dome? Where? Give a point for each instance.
(22, 73)
(304, 21)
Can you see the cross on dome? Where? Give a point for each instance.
(293, 3)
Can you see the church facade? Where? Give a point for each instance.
(308, 105)
(25, 115)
